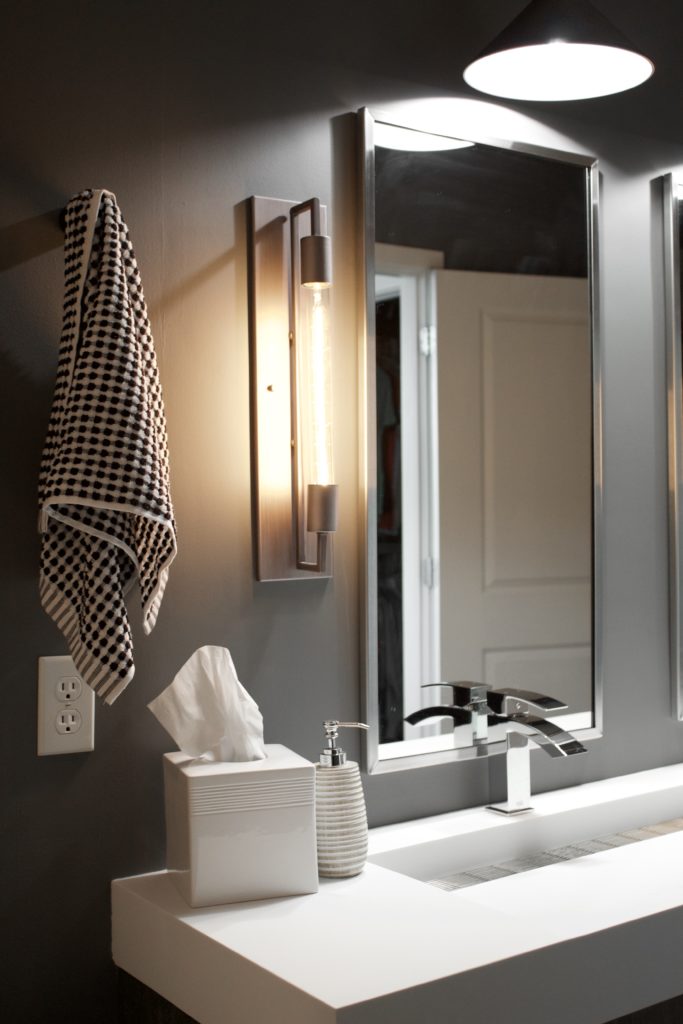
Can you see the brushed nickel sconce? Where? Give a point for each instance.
(294, 494)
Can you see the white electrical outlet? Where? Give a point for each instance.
(69, 720)
(66, 708)
(69, 688)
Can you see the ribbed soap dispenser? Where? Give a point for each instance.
(340, 818)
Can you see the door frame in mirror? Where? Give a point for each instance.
(674, 372)
(367, 447)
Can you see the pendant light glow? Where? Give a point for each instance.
(393, 136)
(558, 71)
(558, 50)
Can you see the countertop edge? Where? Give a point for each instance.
(204, 978)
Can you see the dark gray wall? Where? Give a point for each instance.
(184, 110)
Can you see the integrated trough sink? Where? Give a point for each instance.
(421, 951)
(454, 851)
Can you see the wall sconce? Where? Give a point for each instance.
(558, 50)
(294, 496)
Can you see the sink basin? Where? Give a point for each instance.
(465, 847)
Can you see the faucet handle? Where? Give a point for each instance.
(511, 703)
(465, 693)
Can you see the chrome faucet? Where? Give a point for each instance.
(524, 711)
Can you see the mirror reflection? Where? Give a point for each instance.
(483, 428)
(672, 194)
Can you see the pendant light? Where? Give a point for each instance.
(558, 50)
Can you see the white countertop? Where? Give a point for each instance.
(589, 939)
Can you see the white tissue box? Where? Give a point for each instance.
(241, 830)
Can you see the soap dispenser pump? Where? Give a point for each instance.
(341, 819)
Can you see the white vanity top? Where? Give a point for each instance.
(589, 939)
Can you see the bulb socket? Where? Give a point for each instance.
(316, 261)
(321, 515)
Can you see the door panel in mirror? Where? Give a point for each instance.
(515, 501)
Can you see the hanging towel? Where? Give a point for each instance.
(106, 517)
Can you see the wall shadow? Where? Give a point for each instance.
(29, 238)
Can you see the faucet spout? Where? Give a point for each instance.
(556, 742)
(551, 738)
(459, 715)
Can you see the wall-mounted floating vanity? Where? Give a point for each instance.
(588, 939)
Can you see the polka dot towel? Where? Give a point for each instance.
(106, 517)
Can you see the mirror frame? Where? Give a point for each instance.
(371, 762)
(674, 371)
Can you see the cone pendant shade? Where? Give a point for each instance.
(558, 50)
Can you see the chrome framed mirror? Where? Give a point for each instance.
(481, 440)
(672, 193)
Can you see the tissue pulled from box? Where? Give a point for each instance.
(208, 712)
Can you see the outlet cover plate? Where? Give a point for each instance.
(56, 678)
